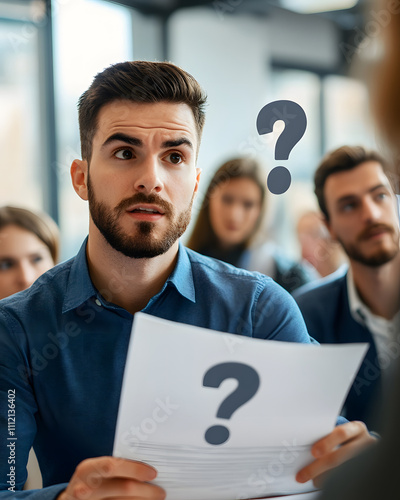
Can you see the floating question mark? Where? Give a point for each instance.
(295, 119)
(248, 383)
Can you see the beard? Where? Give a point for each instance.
(142, 244)
(377, 259)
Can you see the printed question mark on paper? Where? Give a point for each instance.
(295, 119)
(248, 383)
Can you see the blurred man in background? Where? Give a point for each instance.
(362, 305)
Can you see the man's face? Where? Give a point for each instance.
(142, 177)
(363, 214)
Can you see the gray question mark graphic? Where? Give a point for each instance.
(248, 383)
(295, 119)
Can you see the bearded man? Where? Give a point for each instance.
(360, 211)
(63, 342)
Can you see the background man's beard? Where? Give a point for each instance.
(375, 260)
(141, 245)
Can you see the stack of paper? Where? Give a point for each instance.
(227, 417)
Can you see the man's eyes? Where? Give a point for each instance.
(124, 154)
(174, 158)
(381, 196)
(128, 154)
(348, 207)
(352, 205)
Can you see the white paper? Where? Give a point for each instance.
(165, 410)
(313, 495)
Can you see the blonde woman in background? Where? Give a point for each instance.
(229, 223)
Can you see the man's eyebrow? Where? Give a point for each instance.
(351, 197)
(177, 142)
(346, 198)
(378, 186)
(119, 136)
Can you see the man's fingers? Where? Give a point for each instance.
(125, 488)
(108, 477)
(340, 445)
(93, 470)
(326, 463)
(340, 435)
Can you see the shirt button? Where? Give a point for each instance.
(97, 301)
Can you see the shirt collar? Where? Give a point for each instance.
(182, 277)
(360, 311)
(80, 287)
(357, 308)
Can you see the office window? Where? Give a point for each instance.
(347, 112)
(20, 159)
(89, 35)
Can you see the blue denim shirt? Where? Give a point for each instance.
(63, 348)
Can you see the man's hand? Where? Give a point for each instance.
(111, 477)
(342, 443)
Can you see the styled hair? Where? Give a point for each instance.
(339, 160)
(41, 225)
(139, 82)
(203, 234)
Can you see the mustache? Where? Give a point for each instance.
(152, 199)
(375, 228)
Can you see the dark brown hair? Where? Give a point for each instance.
(339, 160)
(41, 225)
(141, 82)
(203, 234)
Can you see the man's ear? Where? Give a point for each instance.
(79, 173)
(198, 173)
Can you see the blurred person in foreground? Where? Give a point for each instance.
(229, 223)
(375, 473)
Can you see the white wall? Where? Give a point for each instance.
(230, 56)
(305, 39)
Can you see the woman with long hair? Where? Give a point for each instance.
(229, 223)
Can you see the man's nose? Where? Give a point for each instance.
(148, 176)
(371, 211)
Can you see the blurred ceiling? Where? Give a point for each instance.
(344, 18)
